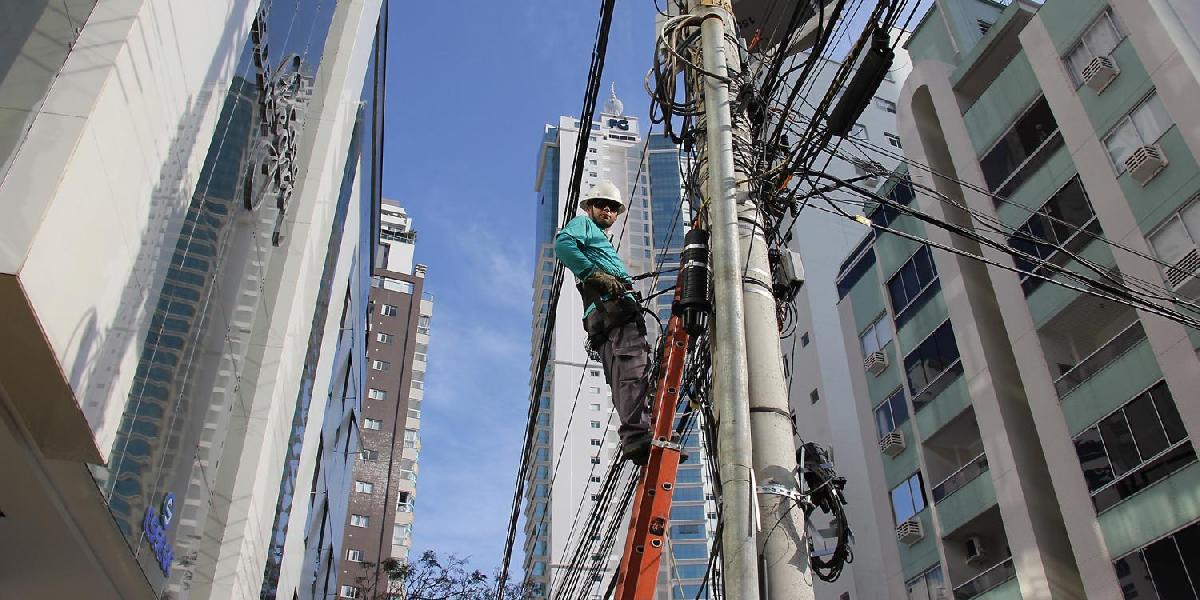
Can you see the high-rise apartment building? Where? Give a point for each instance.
(1029, 440)
(381, 491)
(820, 380)
(575, 436)
(174, 183)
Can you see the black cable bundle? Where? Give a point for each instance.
(824, 489)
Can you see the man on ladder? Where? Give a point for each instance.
(612, 316)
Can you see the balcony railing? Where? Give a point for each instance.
(937, 386)
(960, 478)
(1100, 359)
(1029, 166)
(991, 578)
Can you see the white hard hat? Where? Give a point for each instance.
(604, 190)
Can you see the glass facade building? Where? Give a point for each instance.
(191, 335)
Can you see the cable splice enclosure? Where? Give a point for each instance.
(695, 301)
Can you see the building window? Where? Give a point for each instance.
(1135, 447)
(593, 389)
(1143, 126)
(354, 555)
(929, 585)
(359, 520)
(687, 513)
(368, 454)
(1058, 222)
(911, 280)
(596, 442)
(893, 139)
(417, 384)
(595, 424)
(1168, 568)
(423, 324)
(891, 414)
(1005, 165)
(887, 105)
(348, 591)
(374, 424)
(908, 498)
(932, 357)
(595, 460)
(410, 438)
(388, 310)
(384, 338)
(380, 365)
(1175, 242)
(877, 335)
(400, 533)
(364, 487)
(814, 396)
(404, 502)
(595, 479)
(1100, 39)
(375, 394)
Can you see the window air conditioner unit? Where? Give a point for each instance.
(909, 532)
(876, 362)
(1100, 72)
(1145, 163)
(892, 444)
(976, 552)
(1183, 269)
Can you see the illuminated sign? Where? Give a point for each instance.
(155, 526)
(272, 168)
(619, 124)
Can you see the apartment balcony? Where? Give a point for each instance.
(940, 384)
(1108, 377)
(942, 402)
(1101, 359)
(978, 558)
(960, 478)
(1048, 301)
(997, 583)
(964, 495)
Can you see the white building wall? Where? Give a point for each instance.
(823, 240)
(247, 484)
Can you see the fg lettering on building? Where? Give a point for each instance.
(155, 526)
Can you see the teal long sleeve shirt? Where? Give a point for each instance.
(582, 247)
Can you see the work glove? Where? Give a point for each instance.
(607, 282)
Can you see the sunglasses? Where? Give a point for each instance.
(606, 205)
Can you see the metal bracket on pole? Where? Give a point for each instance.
(779, 490)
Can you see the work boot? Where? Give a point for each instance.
(636, 448)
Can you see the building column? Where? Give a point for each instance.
(931, 124)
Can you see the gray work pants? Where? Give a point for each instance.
(625, 356)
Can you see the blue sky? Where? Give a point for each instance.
(470, 89)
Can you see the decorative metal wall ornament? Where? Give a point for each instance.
(271, 170)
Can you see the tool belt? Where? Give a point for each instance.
(608, 315)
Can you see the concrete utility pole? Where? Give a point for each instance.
(730, 372)
(747, 352)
